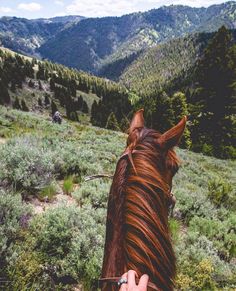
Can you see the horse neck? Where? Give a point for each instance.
(137, 229)
(114, 262)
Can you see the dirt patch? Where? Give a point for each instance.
(40, 206)
(3, 140)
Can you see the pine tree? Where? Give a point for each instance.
(46, 100)
(112, 122)
(40, 103)
(16, 104)
(85, 107)
(162, 116)
(24, 107)
(180, 109)
(40, 85)
(53, 107)
(215, 77)
(52, 84)
(31, 83)
(4, 95)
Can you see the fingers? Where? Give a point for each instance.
(123, 287)
(131, 278)
(143, 282)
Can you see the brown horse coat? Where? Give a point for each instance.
(137, 234)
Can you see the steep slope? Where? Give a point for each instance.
(33, 85)
(163, 66)
(92, 43)
(24, 35)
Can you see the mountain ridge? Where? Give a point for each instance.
(89, 44)
(92, 44)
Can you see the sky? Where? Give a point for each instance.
(88, 8)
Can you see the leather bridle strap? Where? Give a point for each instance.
(114, 280)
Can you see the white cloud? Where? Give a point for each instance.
(32, 7)
(94, 8)
(59, 2)
(5, 9)
(98, 8)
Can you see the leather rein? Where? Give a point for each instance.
(115, 280)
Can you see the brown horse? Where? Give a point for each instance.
(137, 234)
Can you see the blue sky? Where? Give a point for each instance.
(88, 8)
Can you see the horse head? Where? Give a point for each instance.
(137, 233)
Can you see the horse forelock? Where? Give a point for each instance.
(137, 226)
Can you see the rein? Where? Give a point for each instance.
(114, 280)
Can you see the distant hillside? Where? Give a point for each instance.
(33, 85)
(160, 66)
(93, 43)
(24, 35)
(166, 66)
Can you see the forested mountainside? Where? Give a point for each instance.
(33, 85)
(25, 36)
(95, 42)
(167, 66)
(206, 93)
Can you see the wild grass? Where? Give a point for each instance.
(68, 185)
(48, 193)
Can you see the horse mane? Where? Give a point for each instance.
(137, 235)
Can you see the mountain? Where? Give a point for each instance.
(167, 66)
(94, 43)
(62, 19)
(25, 36)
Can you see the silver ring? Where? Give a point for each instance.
(122, 281)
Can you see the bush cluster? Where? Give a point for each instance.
(64, 246)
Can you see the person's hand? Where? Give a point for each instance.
(131, 285)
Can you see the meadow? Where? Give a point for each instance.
(60, 247)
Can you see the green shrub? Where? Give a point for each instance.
(207, 149)
(93, 193)
(25, 165)
(228, 152)
(24, 272)
(221, 233)
(70, 239)
(201, 279)
(194, 204)
(174, 226)
(14, 218)
(219, 193)
(194, 248)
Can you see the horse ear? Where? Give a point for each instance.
(137, 121)
(172, 137)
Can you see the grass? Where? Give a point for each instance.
(48, 193)
(68, 185)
